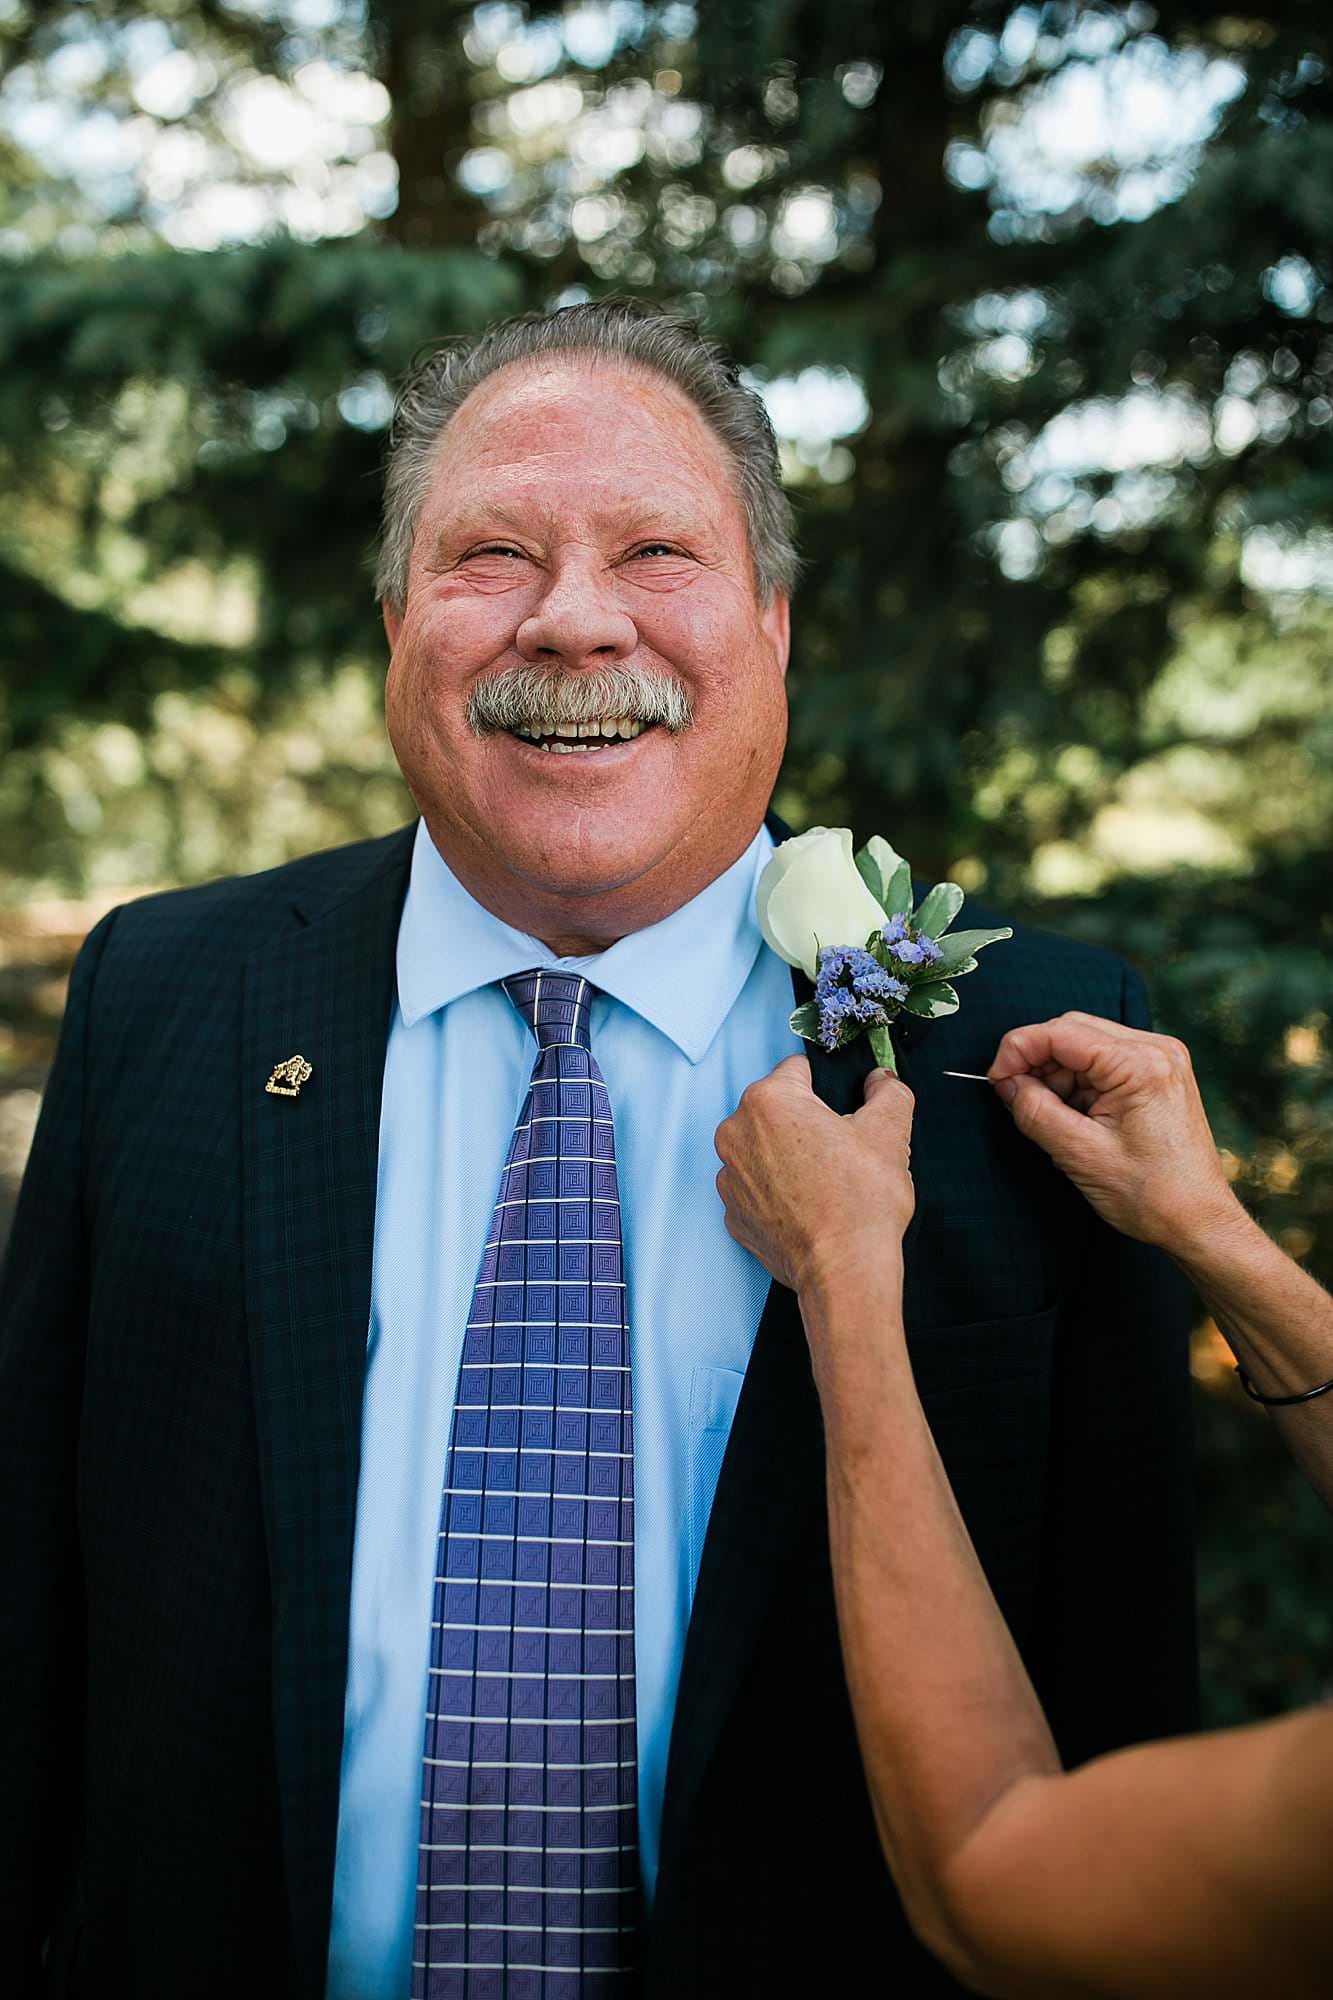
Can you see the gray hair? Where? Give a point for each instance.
(546, 695)
(624, 330)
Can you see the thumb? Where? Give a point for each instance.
(887, 1096)
(1068, 1136)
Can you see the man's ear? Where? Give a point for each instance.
(775, 619)
(393, 621)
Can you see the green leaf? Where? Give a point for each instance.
(805, 1021)
(939, 908)
(932, 1000)
(960, 949)
(898, 902)
(868, 869)
(895, 897)
(882, 1049)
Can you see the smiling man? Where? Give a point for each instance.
(412, 1498)
(586, 691)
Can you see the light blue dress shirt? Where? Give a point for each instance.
(689, 1011)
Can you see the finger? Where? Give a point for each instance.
(1047, 1047)
(1064, 1082)
(888, 1097)
(1073, 1042)
(1118, 1031)
(1065, 1134)
(881, 1083)
(793, 1069)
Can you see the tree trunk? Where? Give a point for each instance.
(423, 67)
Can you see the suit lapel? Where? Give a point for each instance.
(772, 1473)
(774, 1462)
(324, 992)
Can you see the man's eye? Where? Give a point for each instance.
(659, 549)
(496, 549)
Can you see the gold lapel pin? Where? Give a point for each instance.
(288, 1077)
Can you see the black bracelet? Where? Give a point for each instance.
(1304, 1396)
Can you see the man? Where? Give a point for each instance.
(332, 1674)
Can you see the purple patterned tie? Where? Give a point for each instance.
(529, 1874)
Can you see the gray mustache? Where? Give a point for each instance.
(544, 696)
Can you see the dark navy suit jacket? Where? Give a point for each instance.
(183, 1318)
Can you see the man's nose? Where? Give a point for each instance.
(578, 620)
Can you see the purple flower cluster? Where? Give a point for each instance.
(909, 947)
(853, 991)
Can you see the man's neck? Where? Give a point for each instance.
(583, 923)
(578, 947)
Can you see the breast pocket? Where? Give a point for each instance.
(714, 1394)
(971, 1358)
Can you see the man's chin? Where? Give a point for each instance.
(587, 874)
(563, 824)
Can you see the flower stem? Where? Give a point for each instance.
(883, 1049)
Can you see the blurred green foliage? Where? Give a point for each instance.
(1041, 297)
(1265, 1620)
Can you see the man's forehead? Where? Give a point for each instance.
(619, 442)
(525, 492)
(581, 403)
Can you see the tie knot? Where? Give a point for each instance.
(555, 1005)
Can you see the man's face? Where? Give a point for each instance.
(582, 516)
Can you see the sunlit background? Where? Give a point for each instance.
(1040, 301)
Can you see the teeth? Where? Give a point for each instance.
(579, 735)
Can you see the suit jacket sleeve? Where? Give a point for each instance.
(43, 1314)
(1116, 1656)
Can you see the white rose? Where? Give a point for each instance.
(810, 896)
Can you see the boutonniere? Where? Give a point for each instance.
(814, 889)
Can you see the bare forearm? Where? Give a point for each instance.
(1279, 1323)
(1180, 1871)
(946, 1714)
(1188, 1870)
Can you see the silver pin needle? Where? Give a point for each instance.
(968, 1076)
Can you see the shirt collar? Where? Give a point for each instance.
(682, 975)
